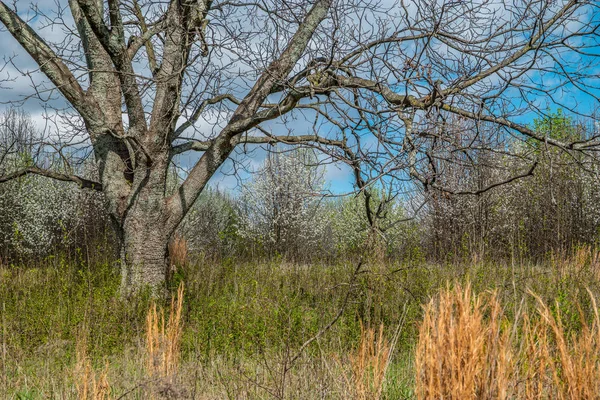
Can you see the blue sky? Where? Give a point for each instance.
(339, 176)
(17, 82)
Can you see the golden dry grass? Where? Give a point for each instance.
(461, 354)
(577, 261)
(178, 252)
(557, 364)
(368, 364)
(468, 349)
(163, 340)
(90, 384)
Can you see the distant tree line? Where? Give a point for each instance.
(555, 209)
(282, 211)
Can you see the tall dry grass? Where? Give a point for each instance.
(90, 384)
(579, 260)
(178, 252)
(162, 351)
(558, 364)
(163, 340)
(460, 353)
(368, 364)
(468, 349)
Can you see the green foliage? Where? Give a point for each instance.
(556, 125)
(251, 311)
(211, 226)
(351, 229)
(27, 395)
(46, 305)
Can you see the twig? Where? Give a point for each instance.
(137, 386)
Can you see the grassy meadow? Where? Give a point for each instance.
(278, 330)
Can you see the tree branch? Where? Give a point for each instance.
(530, 45)
(144, 40)
(240, 139)
(102, 32)
(83, 183)
(114, 44)
(487, 188)
(278, 69)
(49, 62)
(411, 102)
(221, 147)
(198, 112)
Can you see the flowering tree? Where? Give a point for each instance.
(37, 214)
(282, 207)
(554, 209)
(146, 81)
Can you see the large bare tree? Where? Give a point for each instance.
(370, 83)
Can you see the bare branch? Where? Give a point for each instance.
(200, 109)
(82, 182)
(279, 69)
(221, 148)
(50, 64)
(144, 40)
(113, 42)
(243, 139)
(489, 187)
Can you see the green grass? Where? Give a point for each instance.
(243, 321)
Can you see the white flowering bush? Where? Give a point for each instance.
(398, 236)
(38, 215)
(282, 208)
(349, 224)
(41, 215)
(46, 215)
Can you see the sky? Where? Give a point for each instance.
(19, 79)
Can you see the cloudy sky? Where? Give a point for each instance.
(19, 80)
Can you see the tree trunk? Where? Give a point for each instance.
(143, 257)
(145, 236)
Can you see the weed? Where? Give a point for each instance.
(90, 385)
(369, 363)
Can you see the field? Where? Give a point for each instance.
(241, 330)
(292, 199)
